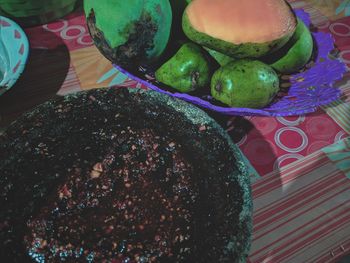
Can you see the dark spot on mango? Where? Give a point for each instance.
(135, 49)
(219, 87)
(195, 79)
(159, 9)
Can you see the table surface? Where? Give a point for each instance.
(299, 166)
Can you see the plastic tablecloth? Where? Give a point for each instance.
(299, 166)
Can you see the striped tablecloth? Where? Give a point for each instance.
(299, 166)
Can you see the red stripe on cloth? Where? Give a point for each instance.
(287, 178)
(290, 195)
(301, 197)
(71, 79)
(300, 227)
(326, 226)
(317, 243)
(322, 233)
(338, 253)
(286, 213)
(322, 229)
(291, 167)
(275, 176)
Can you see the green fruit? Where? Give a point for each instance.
(220, 58)
(239, 29)
(187, 70)
(129, 32)
(178, 7)
(245, 83)
(297, 52)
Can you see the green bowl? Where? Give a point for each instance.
(33, 12)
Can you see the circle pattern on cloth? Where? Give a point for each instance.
(260, 152)
(317, 145)
(56, 27)
(73, 29)
(344, 56)
(264, 125)
(85, 40)
(281, 161)
(288, 122)
(70, 32)
(292, 135)
(320, 128)
(339, 136)
(335, 28)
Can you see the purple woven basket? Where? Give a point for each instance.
(308, 89)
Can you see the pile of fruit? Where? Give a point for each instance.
(237, 48)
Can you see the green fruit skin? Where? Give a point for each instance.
(187, 70)
(299, 54)
(116, 19)
(220, 58)
(245, 83)
(245, 50)
(178, 7)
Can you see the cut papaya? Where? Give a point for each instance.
(239, 28)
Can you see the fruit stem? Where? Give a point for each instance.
(194, 78)
(218, 87)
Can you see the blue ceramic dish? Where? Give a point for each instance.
(14, 50)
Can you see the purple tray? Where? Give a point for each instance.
(308, 89)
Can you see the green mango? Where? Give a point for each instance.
(245, 83)
(220, 58)
(296, 53)
(178, 7)
(188, 70)
(129, 32)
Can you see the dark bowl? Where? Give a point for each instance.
(40, 149)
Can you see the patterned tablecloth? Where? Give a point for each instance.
(299, 166)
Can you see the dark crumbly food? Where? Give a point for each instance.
(118, 176)
(135, 205)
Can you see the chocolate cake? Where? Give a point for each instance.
(122, 176)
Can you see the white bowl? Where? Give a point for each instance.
(14, 50)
